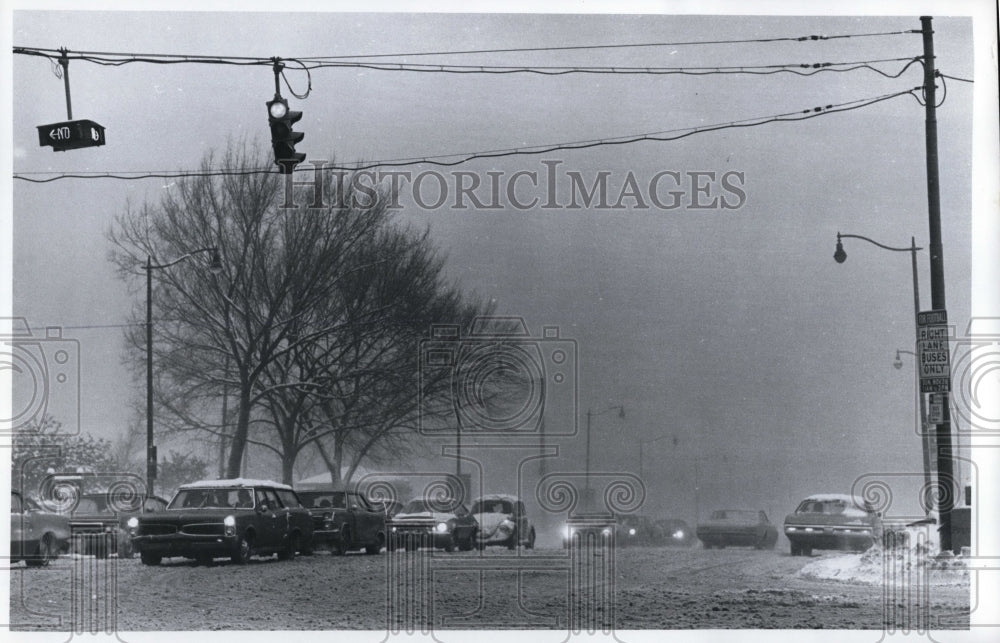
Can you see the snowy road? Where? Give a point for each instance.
(637, 588)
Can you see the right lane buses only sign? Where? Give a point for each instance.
(933, 352)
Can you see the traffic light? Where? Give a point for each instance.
(283, 139)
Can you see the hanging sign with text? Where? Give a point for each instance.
(933, 354)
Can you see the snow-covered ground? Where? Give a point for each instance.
(918, 560)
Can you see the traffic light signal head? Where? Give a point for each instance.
(283, 138)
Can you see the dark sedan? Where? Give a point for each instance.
(737, 528)
(236, 518)
(99, 523)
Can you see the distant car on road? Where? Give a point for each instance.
(36, 536)
(634, 529)
(503, 520)
(442, 523)
(236, 518)
(737, 528)
(343, 520)
(100, 524)
(832, 521)
(675, 532)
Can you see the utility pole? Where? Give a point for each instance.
(944, 455)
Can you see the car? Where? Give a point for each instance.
(636, 529)
(37, 536)
(441, 522)
(676, 532)
(343, 520)
(236, 518)
(832, 521)
(737, 528)
(99, 523)
(503, 521)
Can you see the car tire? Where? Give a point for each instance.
(150, 559)
(794, 548)
(512, 541)
(468, 543)
(125, 549)
(45, 553)
(375, 548)
(203, 560)
(806, 551)
(449, 545)
(342, 545)
(390, 544)
(531, 539)
(288, 553)
(243, 550)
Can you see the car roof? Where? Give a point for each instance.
(827, 497)
(234, 482)
(498, 496)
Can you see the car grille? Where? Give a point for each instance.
(87, 527)
(154, 529)
(208, 529)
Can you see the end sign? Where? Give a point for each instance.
(71, 135)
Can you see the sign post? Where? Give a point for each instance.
(933, 355)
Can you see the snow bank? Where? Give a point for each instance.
(916, 561)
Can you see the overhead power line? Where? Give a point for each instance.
(257, 60)
(450, 160)
(307, 64)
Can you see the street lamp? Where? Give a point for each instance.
(840, 256)
(215, 266)
(590, 414)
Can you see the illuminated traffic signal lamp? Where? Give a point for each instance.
(283, 139)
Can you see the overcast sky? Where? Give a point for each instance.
(766, 367)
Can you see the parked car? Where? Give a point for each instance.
(737, 528)
(635, 529)
(442, 523)
(343, 520)
(236, 518)
(832, 521)
(503, 521)
(676, 532)
(100, 526)
(36, 536)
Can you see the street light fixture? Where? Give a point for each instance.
(898, 364)
(590, 414)
(214, 266)
(840, 256)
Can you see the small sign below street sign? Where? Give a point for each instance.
(71, 135)
(933, 354)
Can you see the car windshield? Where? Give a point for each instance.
(492, 507)
(735, 514)
(212, 499)
(323, 499)
(829, 507)
(420, 505)
(91, 506)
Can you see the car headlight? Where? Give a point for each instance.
(442, 527)
(109, 528)
(506, 526)
(809, 529)
(679, 534)
(230, 524)
(631, 531)
(606, 531)
(133, 525)
(394, 529)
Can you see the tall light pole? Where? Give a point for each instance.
(216, 265)
(840, 256)
(591, 414)
(925, 435)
